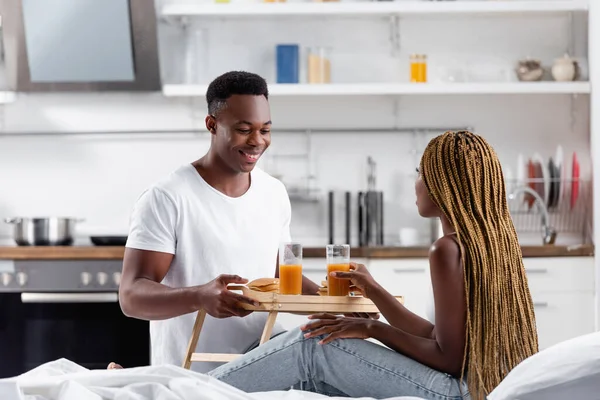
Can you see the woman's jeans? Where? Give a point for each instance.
(345, 368)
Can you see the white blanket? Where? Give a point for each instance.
(66, 380)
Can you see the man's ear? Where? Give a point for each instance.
(211, 124)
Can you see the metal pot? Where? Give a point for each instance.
(50, 231)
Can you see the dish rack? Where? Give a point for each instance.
(568, 202)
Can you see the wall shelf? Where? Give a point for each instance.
(375, 89)
(365, 8)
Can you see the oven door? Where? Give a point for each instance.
(88, 328)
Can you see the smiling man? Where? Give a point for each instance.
(212, 222)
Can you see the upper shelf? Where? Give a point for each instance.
(375, 89)
(368, 8)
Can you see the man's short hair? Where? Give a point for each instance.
(232, 83)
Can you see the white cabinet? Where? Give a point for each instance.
(404, 277)
(562, 289)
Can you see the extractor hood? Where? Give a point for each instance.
(80, 45)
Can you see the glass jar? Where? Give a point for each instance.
(319, 65)
(418, 68)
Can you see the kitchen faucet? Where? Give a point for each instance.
(549, 234)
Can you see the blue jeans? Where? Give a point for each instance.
(345, 368)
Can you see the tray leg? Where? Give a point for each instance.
(266, 335)
(187, 362)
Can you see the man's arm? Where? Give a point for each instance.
(151, 246)
(142, 296)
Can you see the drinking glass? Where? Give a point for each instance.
(290, 268)
(338, 259)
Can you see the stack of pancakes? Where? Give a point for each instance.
(264, 285)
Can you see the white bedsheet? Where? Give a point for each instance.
(66, 380)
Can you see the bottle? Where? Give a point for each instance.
(423, 68)
(414, 68)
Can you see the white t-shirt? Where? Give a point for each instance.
(210, 234)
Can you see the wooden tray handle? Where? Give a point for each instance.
(242, 288)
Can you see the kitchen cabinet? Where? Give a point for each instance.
(562, 289)
(404, 277)
(563, 295)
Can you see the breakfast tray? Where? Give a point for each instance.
(274, 303)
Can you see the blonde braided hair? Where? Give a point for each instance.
(464, 179)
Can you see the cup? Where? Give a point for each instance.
(338, 259)
(290, 268)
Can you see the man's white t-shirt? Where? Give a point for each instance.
(210, 234)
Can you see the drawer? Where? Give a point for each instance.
(562, 316)
(408, 278)
(401, 277)
(560, 274)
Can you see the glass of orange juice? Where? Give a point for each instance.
(290, 268)
(338, 259)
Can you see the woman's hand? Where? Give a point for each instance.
(359, 277)
(338, 327)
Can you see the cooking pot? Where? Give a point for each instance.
(49, 231)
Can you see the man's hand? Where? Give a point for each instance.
(220, 302)
(338, 327)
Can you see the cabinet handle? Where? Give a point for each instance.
(537, 270)
(408, 270)
(110, 297)
(541, 304)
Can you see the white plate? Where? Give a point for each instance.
(545, 176)
(560, 163)
(521, 176)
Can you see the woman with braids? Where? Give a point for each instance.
(482, 323)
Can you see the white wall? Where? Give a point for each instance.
(98, 177)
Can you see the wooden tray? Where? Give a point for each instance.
(274, 303)
(306, 304)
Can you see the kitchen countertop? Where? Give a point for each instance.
(116, 252)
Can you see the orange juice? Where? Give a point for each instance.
(290, 279)
(414, 68)
(335, 286)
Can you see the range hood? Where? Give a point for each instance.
(80, 45)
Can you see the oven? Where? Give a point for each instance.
(66, 309)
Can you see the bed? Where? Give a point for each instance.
(568, 370)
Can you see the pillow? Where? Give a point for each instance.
(567, 370)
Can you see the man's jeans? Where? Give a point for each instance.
(346, 367)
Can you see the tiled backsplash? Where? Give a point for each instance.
(98, 177)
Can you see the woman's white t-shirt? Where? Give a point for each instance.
(210, 234)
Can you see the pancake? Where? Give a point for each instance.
(264, 285)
